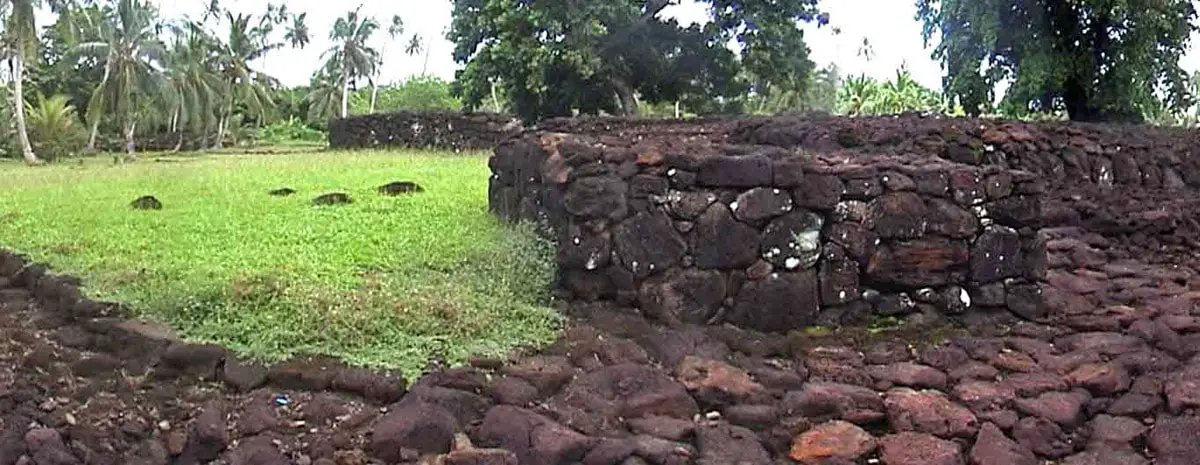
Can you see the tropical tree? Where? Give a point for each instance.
(243, 87)
(350, 53)
(1095, 59)
(556, 58)
(417, 45)
(862, 95)
(298, 34)
(132, 54)
(323, 95)
(20, 44)
(195, 83)
(395, 29)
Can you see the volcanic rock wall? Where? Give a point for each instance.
(1067, 153)
(439, 130)
(694, 230)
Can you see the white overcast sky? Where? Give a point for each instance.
(889, 25)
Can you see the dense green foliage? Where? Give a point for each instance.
(557, 58)
(1093, 59)
(385, 281)
(866, 96)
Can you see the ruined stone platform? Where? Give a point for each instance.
(695, 230)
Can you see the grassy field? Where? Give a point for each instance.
(385, 281)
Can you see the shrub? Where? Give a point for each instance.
(291, 130)
(54, 128)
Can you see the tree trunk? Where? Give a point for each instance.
(425, 67)
(216, 145)
(178, 144)
(1076, 100)
(130, 145)
(91, 147)
(345, 92)
(629, 105)
(374, 92)
(19, 105)
(495, 100)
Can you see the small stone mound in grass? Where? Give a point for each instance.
(333, 198)
(282, 192)
(146, 202)
(400, 187)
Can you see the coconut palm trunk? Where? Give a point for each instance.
(345, 92)
(130, 145)
(374, 92)
(91, 147)
(19, 104)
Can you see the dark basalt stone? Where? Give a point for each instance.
(146, 202)
(333, 198)
(400, 187)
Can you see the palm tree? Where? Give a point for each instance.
(415, 46)
(242, 85)
(195, 84)
(350, 53)
(322, 96)
(395, 29)
(20, 44)
(132, 54)
(297, 34)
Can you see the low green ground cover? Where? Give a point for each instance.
(384, 281)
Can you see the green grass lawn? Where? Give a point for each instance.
(384, 282)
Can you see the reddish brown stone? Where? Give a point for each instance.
(929, 412)
(716, 383)
(919, 263)
(897, 215)
(919, 449)
(832, 440)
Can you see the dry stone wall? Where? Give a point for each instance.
(1070, 154)
(439, 130)
(692, 229)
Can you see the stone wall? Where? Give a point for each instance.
(693, 229)
(438, 130)
(1068, 153)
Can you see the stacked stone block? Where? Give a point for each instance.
(436, 130)
(698, 231)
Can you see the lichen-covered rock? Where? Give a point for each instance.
(996, 255)
(581, 248)
(760, 204)
(897, 215)
(793, 241)
(838, 276)
(689, 205)
(648, 244)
